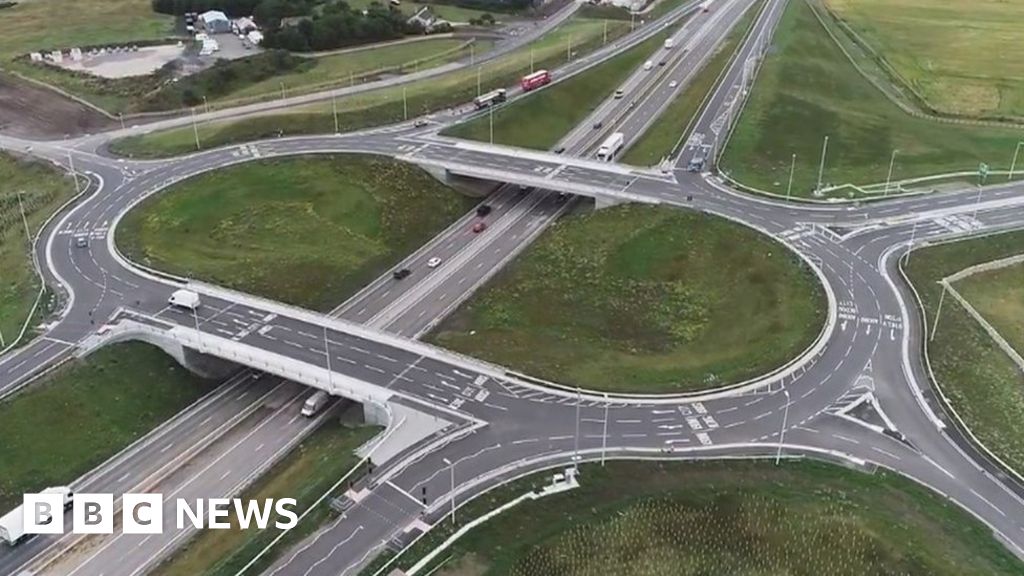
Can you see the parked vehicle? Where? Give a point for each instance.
(611, 146)
(12, 529)
(315, 403)
(535, 80)
(490, 99)
(184, 299)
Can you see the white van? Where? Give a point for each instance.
(648, 65)
(315, 403)
(184, 299)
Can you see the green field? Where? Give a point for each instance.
(719, 518)
(807, 90)
(449, 12)
(543, 118)
(661, 138)
(43, 191)
(999, 296)
(85, 413)
(947, 51)
(981, 382)
(382, 106)
(309, 231)
(643, 299)
(304, 474)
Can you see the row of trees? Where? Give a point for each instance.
(337, 26)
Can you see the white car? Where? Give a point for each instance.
(433, 262)
(673, 84)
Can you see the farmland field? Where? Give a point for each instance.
(727, 518)
(642, 299)
(948, 51)
(807, 90)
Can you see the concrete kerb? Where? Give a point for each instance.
(945, 402)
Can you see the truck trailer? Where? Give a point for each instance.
(12, 528)
(490, 99)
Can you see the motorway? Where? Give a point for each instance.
(869, 349)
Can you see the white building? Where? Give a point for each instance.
(215, 22)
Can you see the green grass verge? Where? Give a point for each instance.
(643, 299)
(304, 474)
(999, 296)
(659, 141)
(43, 191)
(952, 67)
(807, 89)
(981, 382)
(382, 106)
(541, 119)
(725, 518)
(86, 412)
(309, 231)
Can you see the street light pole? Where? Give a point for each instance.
(938, 311)
(490, 121)
(531, 60)
(478, 69)
(195, 128)
(910, 245)
(327, 351)
(782, 433)
(576, 447)
(451, 467)
(199, 338)
(792, 167)
(74, 175)
(977, 202)
(821, 167)
(888, 178)
(604, 433)
(24, 220)
(405, 104)
(1013, 164)
(334, 110)
(120, 116)
(604, 40)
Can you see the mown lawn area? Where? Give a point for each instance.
(304, 474)
(982, 383)
(86, 412)
(541, 119)
(382, 106)
(643, 299)
(661, 138)
(694, 519)
(42, 190)
(309, 231)
(948, 51)
(807, 89)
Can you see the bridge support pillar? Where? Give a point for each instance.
(472, 187)
(601, 202)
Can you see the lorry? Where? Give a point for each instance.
(610, 146)
(12, 529)
(490, 99)
(184, 299)
(669, 43)
(315, 403)
(535, 80)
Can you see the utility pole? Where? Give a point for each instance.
(821, 168)
(206, 104)
(2, 345)
(195, 129)
(334, 109)
(938, 311)
(789, 187)
(24, 220)
(604, 433)
(282, 90)
(892, 160)
(568, 48)
(405, 105)
(604, 39)
(451, 467)
(982, 175)
(478, 69)
(910, 245)
(120, 116)
(782, 432)
(327, 351)
(1013, 164)
(490, 121)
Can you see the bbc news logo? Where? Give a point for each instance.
(144, 513)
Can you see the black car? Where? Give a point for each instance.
(399, 274)
(483, 210)
(598, 125)
(560, 149)
(662, 63)
(562, 197)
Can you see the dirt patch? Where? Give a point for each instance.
(29, 111)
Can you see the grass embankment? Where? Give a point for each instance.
(304, 474)
(982, 383)
(310, 231)
(953, 68)
(449, 12)
(385, 105)
(43, 190)
(85, 413)
(643, 299)
(807, 89)
(999, 296)
(541, 119)
(727, 518)
(659, 141)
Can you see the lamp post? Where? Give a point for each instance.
(1013, 164)
(195, 128)
(792, 167)
(576, 440)
(821, 167)
(451, 467)
(782, 433)
(888, 178)
(604, 433)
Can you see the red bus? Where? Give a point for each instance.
(535, 80)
